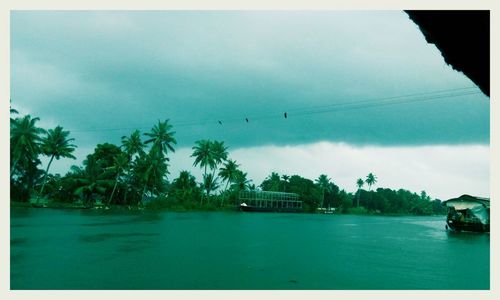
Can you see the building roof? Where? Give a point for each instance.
(467, 198)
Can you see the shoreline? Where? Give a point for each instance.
(61, 205)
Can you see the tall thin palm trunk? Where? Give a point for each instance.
(14, 165)
(225, 190)
(213, 173)
(114, 188)
(44, 179)
(323, 200)
(204, 176)
(16, 161)
(143, 193)
(125, 196)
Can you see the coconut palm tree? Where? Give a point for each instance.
(360, 184)
(240, 182)
(220, 154)
(185, 181)
(285, 181)
(324, 183)
(150, 170)
(133, 145)
(370, 180)
(162, 137)
(203, 155)
(93, 179)
(185, 185)
(272, 183)
(120, 165)
(56, 144)
(209, 184)
(24, 140)
(228, 174)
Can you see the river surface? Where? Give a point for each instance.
(92, 249)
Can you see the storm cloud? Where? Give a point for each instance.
(102, 74)
(352, 78)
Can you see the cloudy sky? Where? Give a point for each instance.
(363, 92)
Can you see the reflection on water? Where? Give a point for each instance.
(469, 237)
(100, 237)
(135, 246)
(18, 241)
(119, 219)
(71, 249)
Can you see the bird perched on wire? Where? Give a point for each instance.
(246, 119)
(220, 122)
(286, 115)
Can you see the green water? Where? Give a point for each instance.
(89, 249)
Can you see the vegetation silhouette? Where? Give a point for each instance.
(135, 175)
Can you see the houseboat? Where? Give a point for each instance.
(263, 201)
(468, 213)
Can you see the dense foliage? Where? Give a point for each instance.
(134, 174)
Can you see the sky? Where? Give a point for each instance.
(362, 90)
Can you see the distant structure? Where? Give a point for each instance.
(269, 201)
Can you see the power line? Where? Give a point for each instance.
(309, 110)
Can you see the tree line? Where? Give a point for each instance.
(136, 174)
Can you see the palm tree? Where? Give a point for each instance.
(203, 155)
(150, 169)
(360, 184)
(92, 179)
(133, 144)
(219, 152)
(272, 183)
(209, 184)
(56, 145)
(186, 184)
(120, 164)
(185, 180)
(285, 179)
(228, 174)
(162, 137)
(371, 180)
(240, 182)
(324, 183)
(24, 140)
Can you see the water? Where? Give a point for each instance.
(89, 249)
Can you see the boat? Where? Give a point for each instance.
(251, 208)
(327, 211)
(468, 213)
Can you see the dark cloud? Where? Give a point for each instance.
(102, 74)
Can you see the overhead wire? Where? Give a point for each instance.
(318, 109)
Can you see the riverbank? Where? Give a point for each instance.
(177, 208)
(149, 207)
